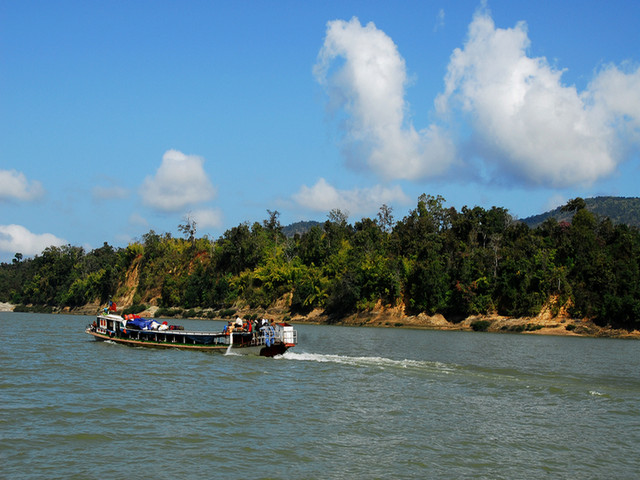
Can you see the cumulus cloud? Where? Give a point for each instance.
(15, 186)
(527, 121)
(207, 218)
(616, 94)
(17, 239)
(365, 76)
(323, 197)
(180, 181)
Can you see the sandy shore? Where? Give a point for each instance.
(6, 307)
(542, 325)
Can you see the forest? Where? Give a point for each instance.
(436, 259)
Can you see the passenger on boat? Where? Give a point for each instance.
(228, 328)
(268, 333)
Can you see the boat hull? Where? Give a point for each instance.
(162, 342)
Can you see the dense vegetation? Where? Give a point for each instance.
(435, 260)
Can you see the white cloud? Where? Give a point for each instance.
(179, 182)
(207, 218)
(323, 197)
(439, 20)
(370, 87)
(17, 239)
(617, 95)
(14, 185)
(525, 119)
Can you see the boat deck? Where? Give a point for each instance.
(265, 342)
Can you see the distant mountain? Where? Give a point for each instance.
(299, 228)
(619, 209)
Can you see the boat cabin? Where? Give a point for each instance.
(109, 324)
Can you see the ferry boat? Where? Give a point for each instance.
(267, 340)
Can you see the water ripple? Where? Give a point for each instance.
(378, 403)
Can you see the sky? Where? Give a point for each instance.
(122, 117)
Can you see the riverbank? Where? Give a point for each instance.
(543, 324)
(6, 307)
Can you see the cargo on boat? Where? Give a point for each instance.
(264, 338)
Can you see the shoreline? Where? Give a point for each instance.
(6, 307)
(543, 324)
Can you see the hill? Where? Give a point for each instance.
(299, 228)
(621, 210)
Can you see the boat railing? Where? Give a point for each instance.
(268, 336)
(264, 337)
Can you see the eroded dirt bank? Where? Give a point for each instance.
(540, 325)
(543, 324)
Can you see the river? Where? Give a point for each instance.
(346, 403)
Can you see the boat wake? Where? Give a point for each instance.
(371, 362)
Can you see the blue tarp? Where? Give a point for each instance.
(141, 323)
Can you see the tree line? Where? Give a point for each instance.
(434, 260)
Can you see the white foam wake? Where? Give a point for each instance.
(379, 362)
(231, 353)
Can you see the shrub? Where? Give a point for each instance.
(480, 325)
(532, 328)
(135, 308)
(167, 312)
(33, 309)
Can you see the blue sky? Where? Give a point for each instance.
(118, 117)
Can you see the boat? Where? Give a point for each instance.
(266, 339)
